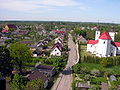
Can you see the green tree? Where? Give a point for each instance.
(59, 63)
(117, 37)
(105, 62)
(20, 54)
(17, 83)
(77, 68)
(35, 85)
(5, 65)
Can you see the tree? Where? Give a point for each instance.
(117, 37)
(35, 85)
(106, 62)
(77, 68)
(59, 63)
(5, 61)
(17, 83)
(20, 55)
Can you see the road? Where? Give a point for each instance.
(65, 78)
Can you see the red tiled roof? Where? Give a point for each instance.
(92, 42)
(117, 44)
(5, 30)
(105, 36)
(11, 26)
(58, 31)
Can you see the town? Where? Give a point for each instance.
(57, 55)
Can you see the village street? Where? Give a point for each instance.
(65, 78)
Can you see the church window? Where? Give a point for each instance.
(104, 42)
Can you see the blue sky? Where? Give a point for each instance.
(61, 10)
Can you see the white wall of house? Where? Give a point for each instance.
(97, 35)
(113, 50)
(34, 55)
(89, 47)
(118, 50)
(103, 49)
(112, 35)
(46, 84)
(56, 52)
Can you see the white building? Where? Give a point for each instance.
(56, 50)
(104, 45)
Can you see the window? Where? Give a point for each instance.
(104, 42)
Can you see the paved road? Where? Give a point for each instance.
(65, 78)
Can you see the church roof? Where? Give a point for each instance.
(105, 36)
(92, 42)
(117, 44)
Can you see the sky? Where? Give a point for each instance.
(61, 10)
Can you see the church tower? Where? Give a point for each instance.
(112, 33)
(97, 33)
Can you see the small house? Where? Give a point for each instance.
(57, 49)
(36, 74)
(49, 71)
(104, 86)
(82, 86)
(10, 27)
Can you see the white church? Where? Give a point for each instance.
(104, 45)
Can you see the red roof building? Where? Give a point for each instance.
(117, 44)
(92, 42)
(105, 36)
(59, 32)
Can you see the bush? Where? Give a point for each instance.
(76, 68)
(106, 62)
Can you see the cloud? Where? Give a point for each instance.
(34, 6)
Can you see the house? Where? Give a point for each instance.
(32, 47)
(104, 86)
(27, 42)
(9, 27)
(36, 74)
(59, 40)
(39, 53)
(57, 49)
(49, 71)
(5, 31)
(82, 86)
(57, 32)
(81, 39)
(104, 45)
(113, 78)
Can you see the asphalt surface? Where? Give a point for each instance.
(64, 80)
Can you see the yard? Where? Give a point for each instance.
(95, 74)
(92, 72)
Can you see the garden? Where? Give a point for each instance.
(95, 74)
